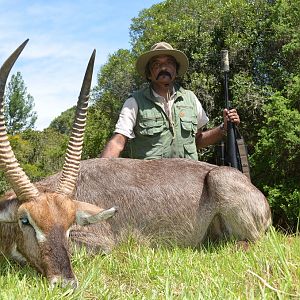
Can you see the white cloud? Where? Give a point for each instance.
(62, 37)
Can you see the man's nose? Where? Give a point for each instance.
(164, 66)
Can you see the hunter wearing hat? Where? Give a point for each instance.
(163, 120)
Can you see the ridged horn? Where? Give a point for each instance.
(17, 178)
(73, 155)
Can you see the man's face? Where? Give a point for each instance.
(162, 69)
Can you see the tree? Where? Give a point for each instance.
(116, 80)
(64, 122)
(48, 149)
(19, 105)
(277, 159)
(40, 153)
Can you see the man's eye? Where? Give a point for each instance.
(155, 65)
(171, 63)
(25, 221)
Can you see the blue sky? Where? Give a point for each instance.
(62, 36)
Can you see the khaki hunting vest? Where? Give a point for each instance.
(155, 137)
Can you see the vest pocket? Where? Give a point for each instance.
(151, 126)
(188, 124)
(188, 119)
(190, 151)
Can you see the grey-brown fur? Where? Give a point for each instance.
(175, 200)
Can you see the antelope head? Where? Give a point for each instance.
(43, 220)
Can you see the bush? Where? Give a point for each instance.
(276, 160)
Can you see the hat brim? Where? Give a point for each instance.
(180, 57)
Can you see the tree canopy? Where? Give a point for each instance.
(19, 106)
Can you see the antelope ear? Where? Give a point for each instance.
(8, 210)
(87, 213)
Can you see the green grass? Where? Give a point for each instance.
(269, 269)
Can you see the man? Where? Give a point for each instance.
(163, 120)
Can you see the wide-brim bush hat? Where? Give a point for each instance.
(162, 48)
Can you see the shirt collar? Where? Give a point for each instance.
(161, 97)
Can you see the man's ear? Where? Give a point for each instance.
(8, 210)
(87, 213)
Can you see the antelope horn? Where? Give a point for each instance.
(17, 178)
(73, 155)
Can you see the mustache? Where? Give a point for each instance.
(163, 72)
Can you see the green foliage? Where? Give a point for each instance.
(116, 80)
(285, 27)
(249, 99)
(39, 153)
(292, 91)
(4, 186)
(276, 159)
(100, 125)
(22, 150)
(277, 150)
(18, 106)
(64, 122)
(285, 201)
(117, 76)
(48, 150)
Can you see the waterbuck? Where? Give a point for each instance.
(34, 224)
(178, 201)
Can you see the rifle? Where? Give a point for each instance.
(234, 153)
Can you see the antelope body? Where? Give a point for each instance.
(178, 201)
(170, 200)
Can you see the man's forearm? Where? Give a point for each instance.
(114, 147)
(209, 137)
(110, 151)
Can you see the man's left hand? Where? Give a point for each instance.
(232, 116)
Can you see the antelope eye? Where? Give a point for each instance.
(24, 221)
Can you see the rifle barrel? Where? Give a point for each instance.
(231, 149)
